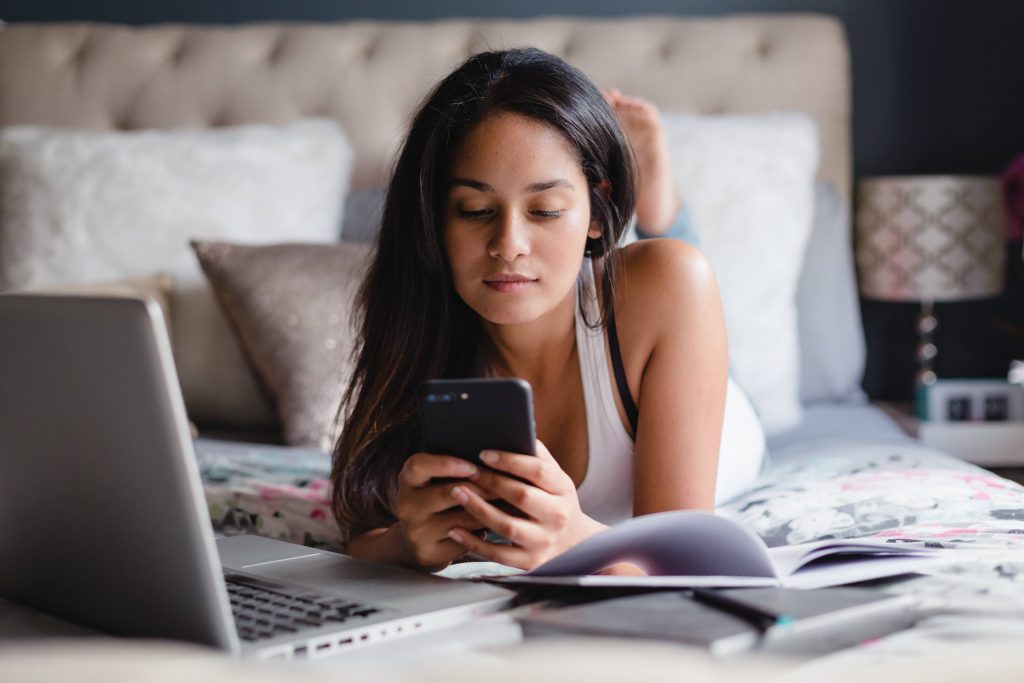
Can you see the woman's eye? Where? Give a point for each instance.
(482, 213)
(547, 214)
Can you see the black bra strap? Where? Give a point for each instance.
(620, 373)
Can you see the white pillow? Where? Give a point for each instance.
(832, 346)
(79, 206)
(749, 182)
(741, 454)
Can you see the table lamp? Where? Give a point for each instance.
(929, 239)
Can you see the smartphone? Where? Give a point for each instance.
(462, 417)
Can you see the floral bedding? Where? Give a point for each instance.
(901, 492)
(908, 494)
(273, 491)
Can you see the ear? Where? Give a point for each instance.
(604, 189)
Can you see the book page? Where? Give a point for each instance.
(791, 559)
(840, 570)
(676, 543)
(612, 581)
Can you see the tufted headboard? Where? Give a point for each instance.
(370, 75)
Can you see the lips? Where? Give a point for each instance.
(509, 282)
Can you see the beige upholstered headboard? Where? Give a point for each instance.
(370, 75)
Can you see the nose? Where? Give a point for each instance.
(509, 239)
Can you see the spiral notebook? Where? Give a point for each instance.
(801, 622)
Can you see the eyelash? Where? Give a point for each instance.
(476, 215)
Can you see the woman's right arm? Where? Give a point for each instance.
(426, 511)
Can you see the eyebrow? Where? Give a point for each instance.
(533, 187)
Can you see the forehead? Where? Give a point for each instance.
(511, 143)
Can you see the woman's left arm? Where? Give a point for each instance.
(673, 314)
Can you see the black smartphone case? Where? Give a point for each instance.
(462, 417)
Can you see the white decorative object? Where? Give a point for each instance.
(749, 181)
(78, 206)
(971, 400)
(1016, 372)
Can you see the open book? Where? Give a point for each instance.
(687, 548)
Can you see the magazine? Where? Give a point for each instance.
(686, 548)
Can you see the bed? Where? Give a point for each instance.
(840, 467)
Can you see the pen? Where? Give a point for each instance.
(761, 619)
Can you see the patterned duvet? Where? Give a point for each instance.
(898, 491)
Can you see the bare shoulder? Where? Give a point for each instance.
(662, 280)
(665, 294)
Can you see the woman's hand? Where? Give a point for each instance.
(426, 509)
(553, 520)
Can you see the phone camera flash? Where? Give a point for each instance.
(464, 396)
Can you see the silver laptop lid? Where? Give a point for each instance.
(96, 460)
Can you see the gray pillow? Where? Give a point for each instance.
(361, 219)
(291, 307)
(832, 346)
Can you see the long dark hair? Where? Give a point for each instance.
(412, 325)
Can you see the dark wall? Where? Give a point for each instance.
(937, 88)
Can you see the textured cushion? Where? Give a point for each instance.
(291, 306)
(832, 346)
(749, 184)
(83, 205)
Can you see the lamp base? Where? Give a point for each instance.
(927, 323)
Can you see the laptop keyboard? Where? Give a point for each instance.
(264, 610)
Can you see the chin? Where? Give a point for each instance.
(507, 312)
(505, 316)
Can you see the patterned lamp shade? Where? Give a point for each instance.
(930, 238)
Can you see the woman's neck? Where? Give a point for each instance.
(538, 351)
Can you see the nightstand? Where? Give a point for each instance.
(996, 446)
(903, 414)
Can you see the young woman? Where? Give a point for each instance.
(498, 256)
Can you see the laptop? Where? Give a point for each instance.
(102, 516)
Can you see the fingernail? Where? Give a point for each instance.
(489, 457)
(455, 535)
(459, 494)
(467, 469)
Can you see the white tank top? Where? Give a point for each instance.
(606, 493)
